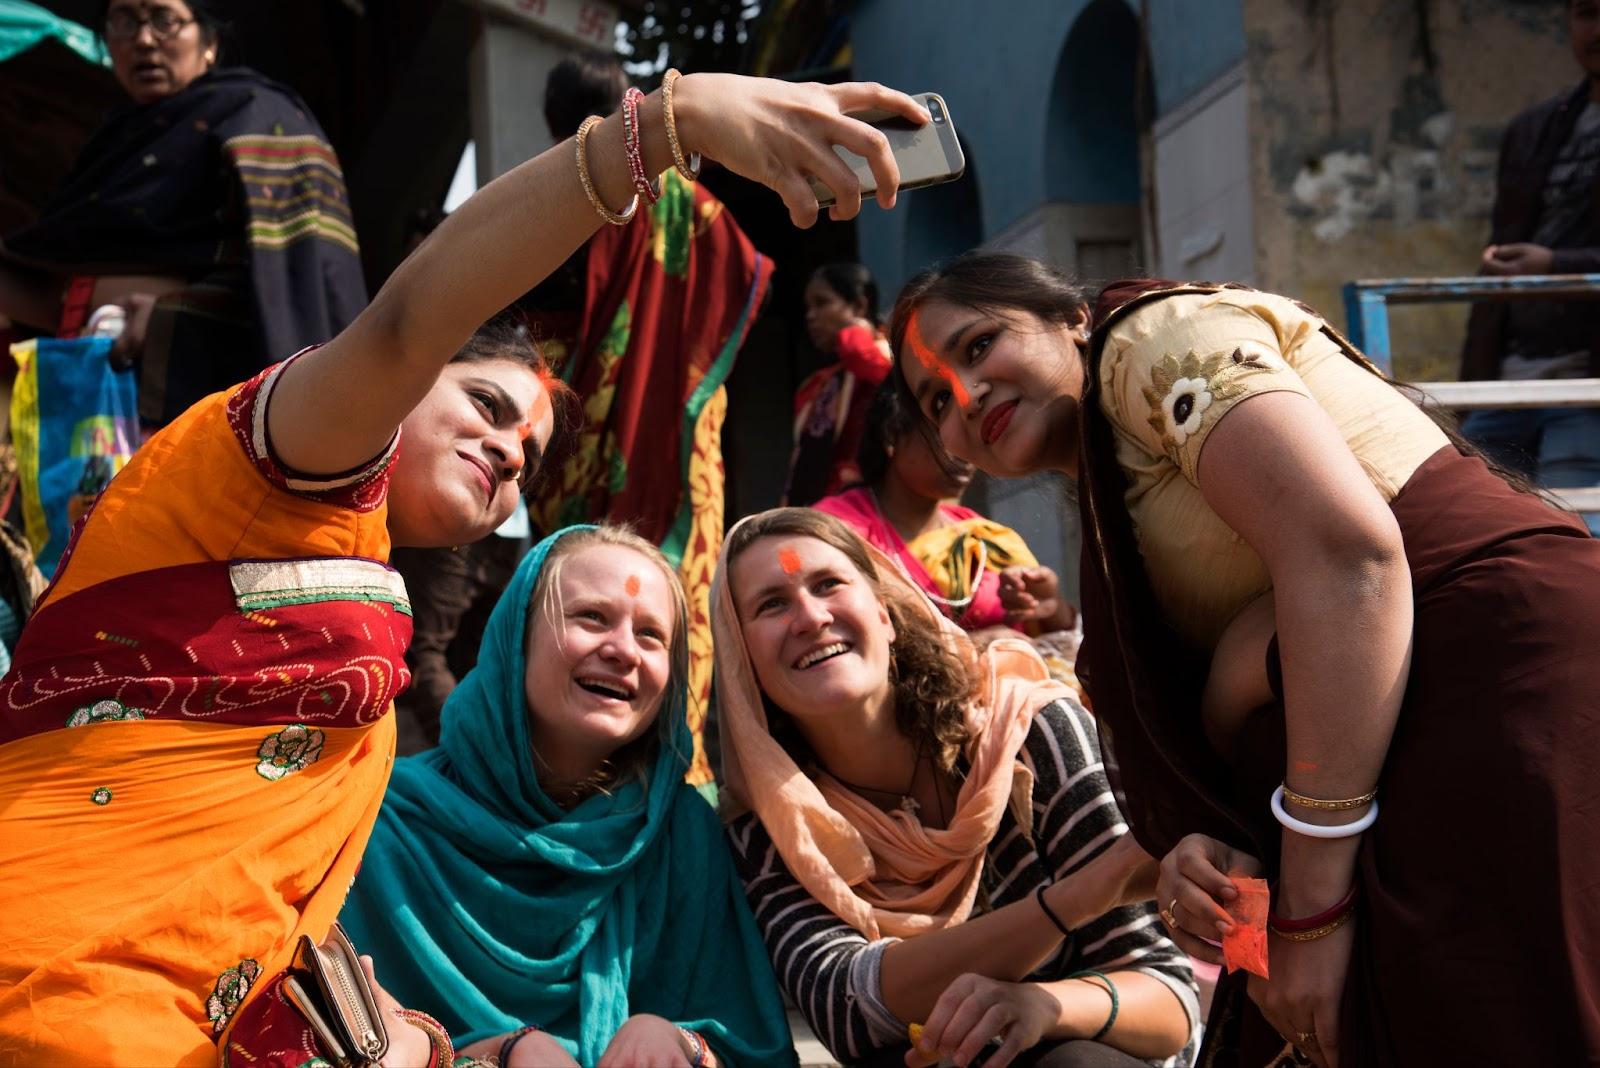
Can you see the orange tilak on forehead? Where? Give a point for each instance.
(930, 360)
(525, 431)
(632, 585)
(789, 560)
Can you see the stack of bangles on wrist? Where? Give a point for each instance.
(633, 149)
(1311, 928)
(443, 1054)
(702, 1053)
(1317, 830)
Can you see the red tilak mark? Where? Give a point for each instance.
(930, 360)
(632, 585)
(789, 560)
(1304, 765)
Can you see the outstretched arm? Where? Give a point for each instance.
(337, 407)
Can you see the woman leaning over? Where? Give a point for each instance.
(1304, 600)
(195, 729)
(928, 838)
(211, 207)
(544, 882)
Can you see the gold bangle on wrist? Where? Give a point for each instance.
(1343, 805)
(435, 1031)
(614, 218)
(1316, 932)
(688, 169)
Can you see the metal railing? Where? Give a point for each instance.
(1366, 304)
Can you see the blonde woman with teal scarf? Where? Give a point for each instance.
(544, 882)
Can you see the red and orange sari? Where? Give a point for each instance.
(193, 742)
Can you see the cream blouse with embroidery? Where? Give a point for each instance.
(1170, 372)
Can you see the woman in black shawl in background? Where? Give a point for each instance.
(212, 209)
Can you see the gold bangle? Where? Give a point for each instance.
(1344, 805)
(1316, 932)
(588, 185)
(689, 168)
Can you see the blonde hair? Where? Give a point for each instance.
(636, 757)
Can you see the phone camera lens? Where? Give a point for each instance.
(936, 111)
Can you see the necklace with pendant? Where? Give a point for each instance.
(907, 804)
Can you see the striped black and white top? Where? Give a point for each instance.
(830, 970)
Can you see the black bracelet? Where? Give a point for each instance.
(511, 1042)
(1038, 895)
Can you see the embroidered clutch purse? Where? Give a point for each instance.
(327, 986)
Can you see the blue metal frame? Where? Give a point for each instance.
(1366, 301)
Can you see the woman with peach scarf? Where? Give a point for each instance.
(926, 836)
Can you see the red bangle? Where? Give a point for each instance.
(1321, 919)
(632, 146)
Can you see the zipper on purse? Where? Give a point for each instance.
(369, 1035)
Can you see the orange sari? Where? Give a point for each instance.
(193, 742)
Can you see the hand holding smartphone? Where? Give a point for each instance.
(927, 155)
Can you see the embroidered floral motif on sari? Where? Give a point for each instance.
(294, 748)
(229, 993)
(1182, 390)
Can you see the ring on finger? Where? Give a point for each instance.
(1306, 1039)
(1168, 914)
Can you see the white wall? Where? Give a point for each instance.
(1202, 170)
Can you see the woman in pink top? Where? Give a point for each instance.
(979, 572)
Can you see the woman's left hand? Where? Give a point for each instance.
(973, 1010)
(646, 1041)
(1301, 1000)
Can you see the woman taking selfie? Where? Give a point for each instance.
(927, 837)
(196, 723)
(1303, 600)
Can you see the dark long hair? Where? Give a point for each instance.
(890, 418)
(992, 282)
(853, 282)
(582, 84)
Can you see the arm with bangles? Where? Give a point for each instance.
(339, 406)
(1278, 472)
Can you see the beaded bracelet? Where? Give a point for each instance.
(511, 1042)
(1317, 830)
(1111, 988)
(1312, 923)
(633, 147)
(1342, 805)
(688, 169)
(444, 1053)
(606, 213)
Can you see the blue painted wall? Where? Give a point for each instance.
(999, 66)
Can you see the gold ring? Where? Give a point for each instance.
(1305, 1039)
(1167, 914)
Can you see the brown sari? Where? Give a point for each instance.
(1478, 937)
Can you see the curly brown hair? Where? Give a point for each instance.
(933, 679)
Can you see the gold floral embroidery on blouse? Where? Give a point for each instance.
(1183, 389)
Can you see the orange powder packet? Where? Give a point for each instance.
(1245, 946)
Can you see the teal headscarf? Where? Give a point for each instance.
(484, 903)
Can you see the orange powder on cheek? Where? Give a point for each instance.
(930, 360)
(789, 560)
(632, 585)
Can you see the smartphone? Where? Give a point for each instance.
(927, 154)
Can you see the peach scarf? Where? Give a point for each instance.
(884, 873)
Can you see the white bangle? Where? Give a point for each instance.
(1317, 830)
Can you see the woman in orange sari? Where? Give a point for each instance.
(194, 738)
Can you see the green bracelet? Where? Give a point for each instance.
(1111, 988)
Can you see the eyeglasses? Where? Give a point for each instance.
(164, 24)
